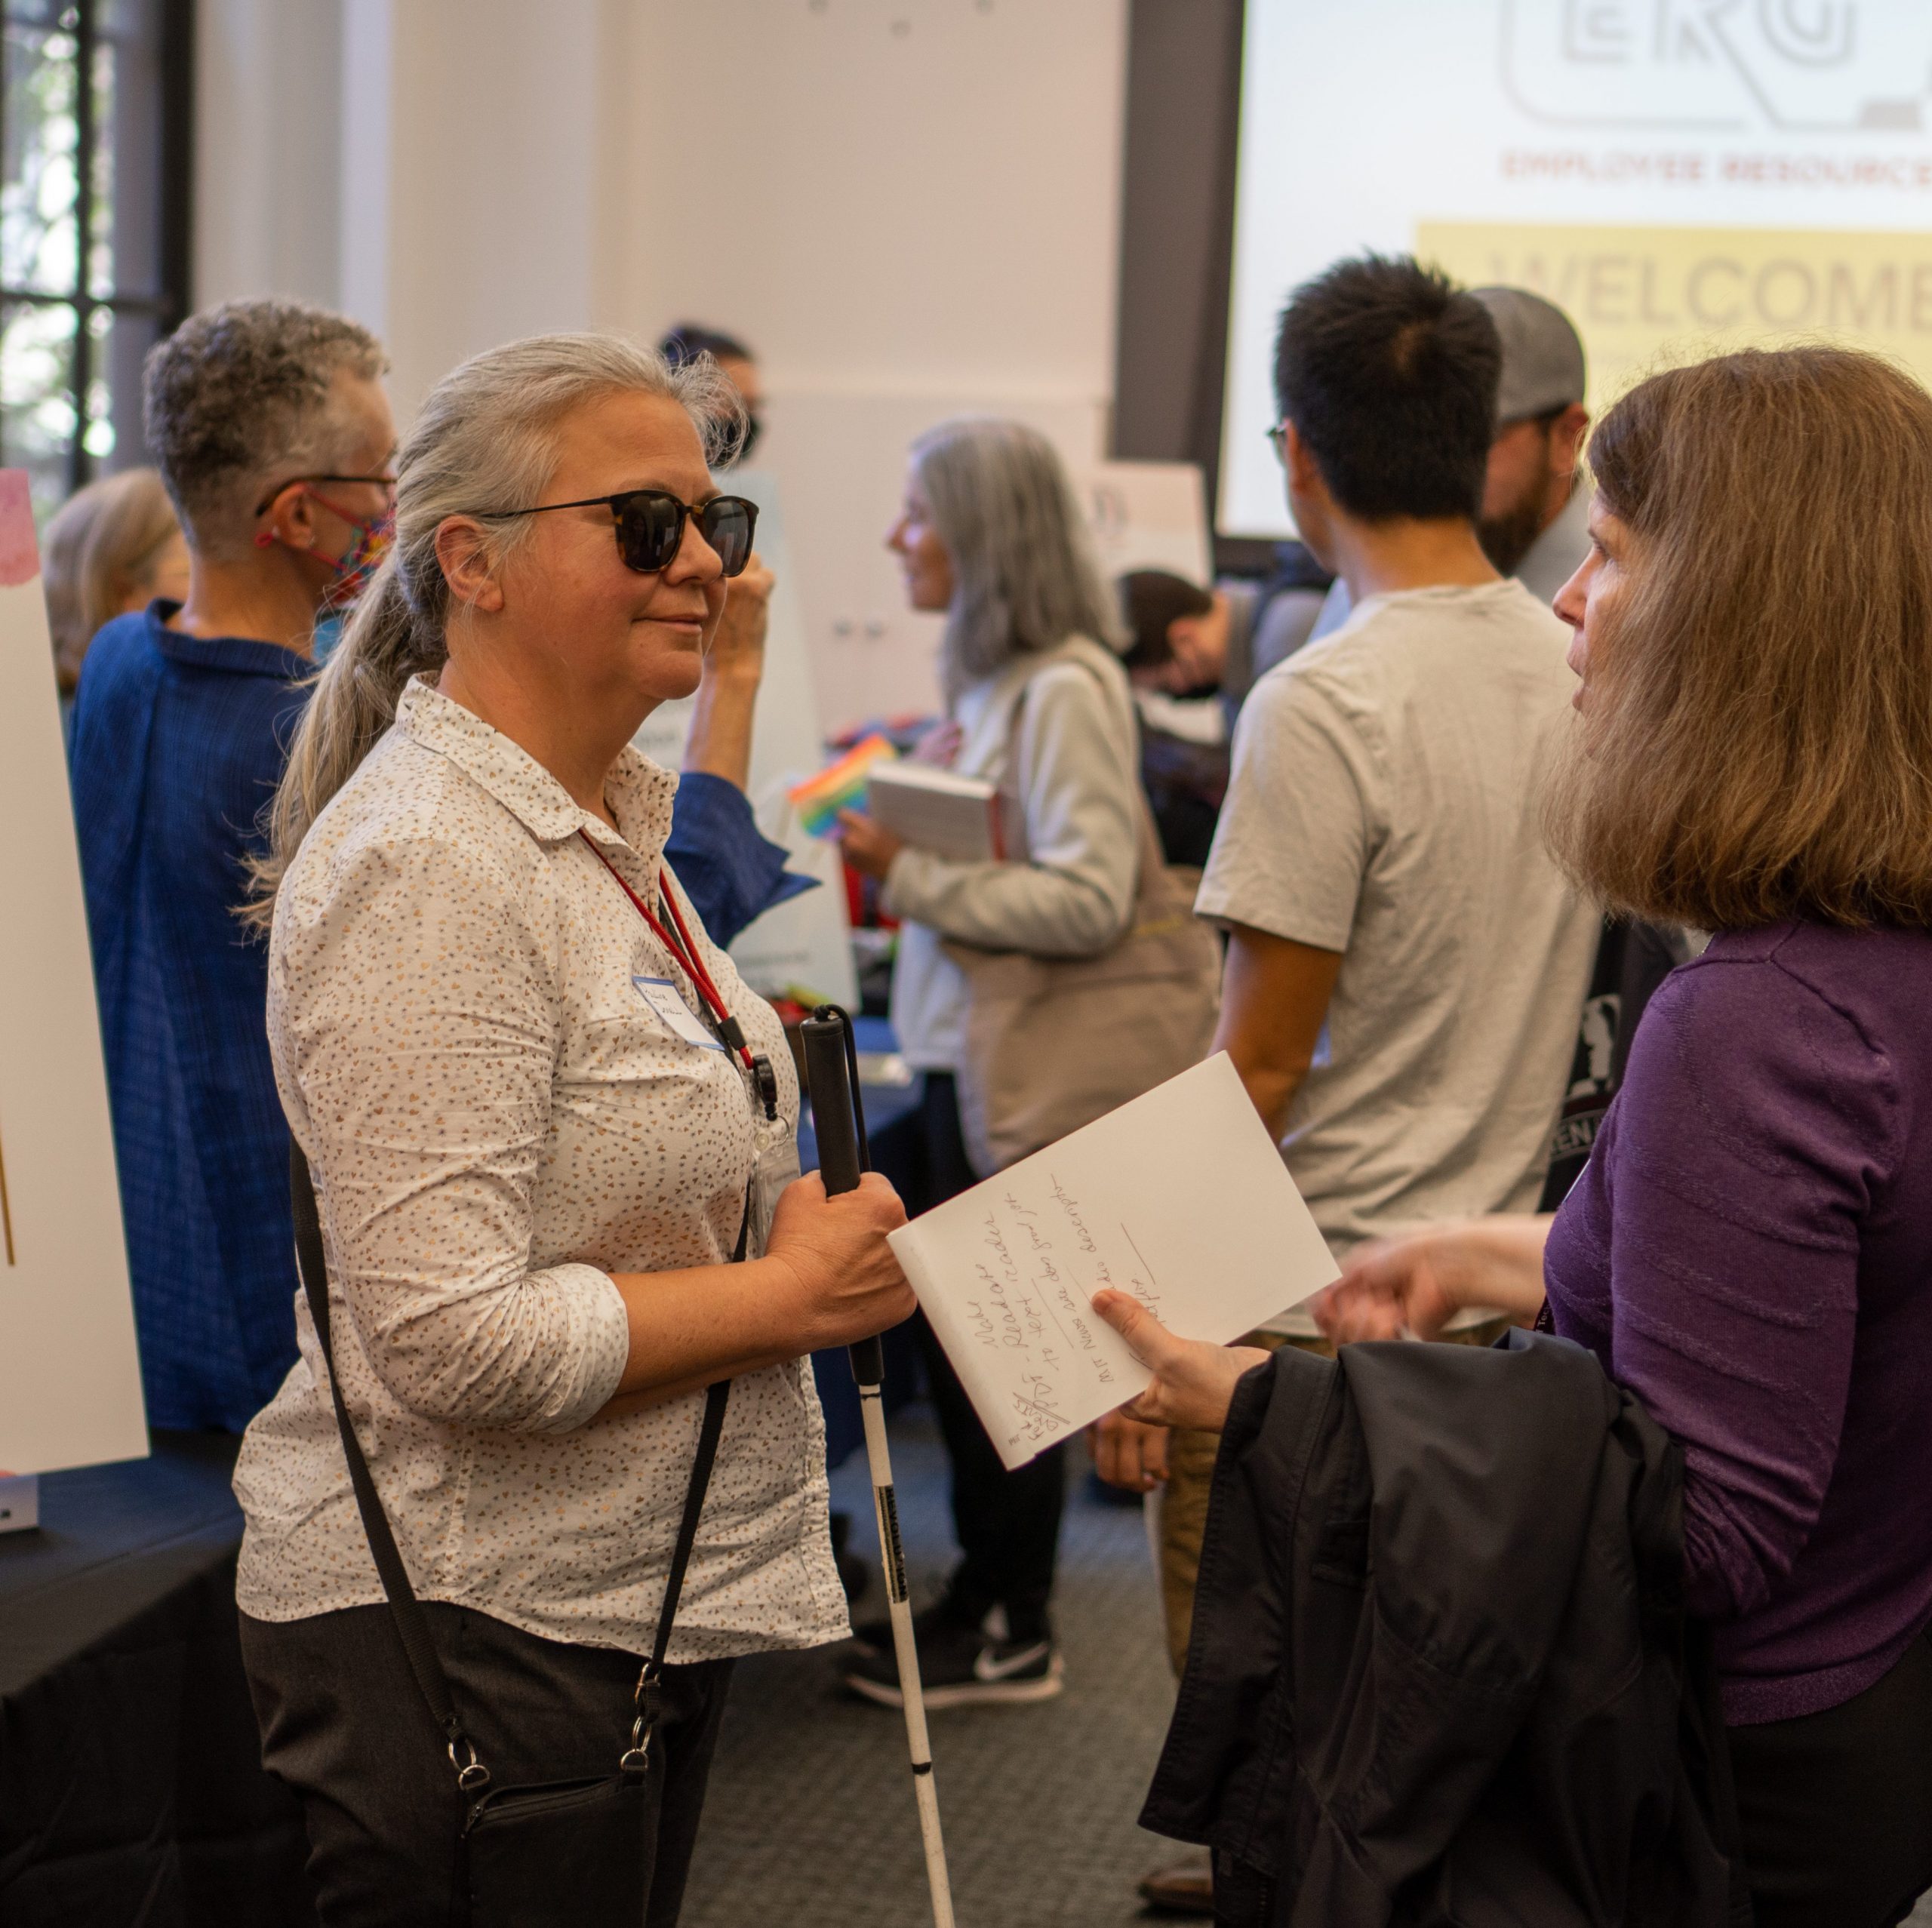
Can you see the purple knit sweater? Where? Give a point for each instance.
(1750, 1253)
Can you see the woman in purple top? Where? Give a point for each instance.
(1749, 1250)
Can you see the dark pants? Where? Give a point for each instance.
(1836, 1807)
(343, 1726)
(1007, 1524)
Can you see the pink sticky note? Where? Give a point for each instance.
(20, 554)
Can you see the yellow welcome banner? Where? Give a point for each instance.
(1646, 297)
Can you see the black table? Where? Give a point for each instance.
(131, 1783)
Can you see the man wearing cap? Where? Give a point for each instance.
(1405, 963)
(1534, 512)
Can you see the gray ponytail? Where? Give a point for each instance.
(486, 437)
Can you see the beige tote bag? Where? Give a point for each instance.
(1052, 1044)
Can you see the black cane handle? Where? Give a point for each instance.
(838, 1118)
(832, 1063)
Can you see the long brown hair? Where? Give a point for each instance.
(1758, 742)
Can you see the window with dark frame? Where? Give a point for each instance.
(94, 201)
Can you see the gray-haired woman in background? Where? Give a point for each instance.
(1039, 703)
(499, 1032)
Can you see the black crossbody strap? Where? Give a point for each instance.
(649, 1697)
(412, 1625)
(715, 1399)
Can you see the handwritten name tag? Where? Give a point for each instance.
(671, 1010)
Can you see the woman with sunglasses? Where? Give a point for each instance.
(548, 1128)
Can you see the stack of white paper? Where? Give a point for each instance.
(1179, 1198)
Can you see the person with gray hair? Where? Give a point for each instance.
(566, 1261)
(990, 533)
(268, 424)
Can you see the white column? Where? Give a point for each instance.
(268, 139)
(469, 175)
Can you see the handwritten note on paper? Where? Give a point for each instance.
(1180, 1198)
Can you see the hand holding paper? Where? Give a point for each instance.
(1193, 1383)
(1180, 1199)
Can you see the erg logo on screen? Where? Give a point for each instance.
(1826, 66)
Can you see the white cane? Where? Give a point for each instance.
(831, 1076)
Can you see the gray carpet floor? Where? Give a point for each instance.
(811, 1821)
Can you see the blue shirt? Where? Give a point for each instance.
(178, 743)
(729, 872)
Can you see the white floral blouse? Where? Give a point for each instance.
(497, 1121)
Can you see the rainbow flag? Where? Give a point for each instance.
(840, 785)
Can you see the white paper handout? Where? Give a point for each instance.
(1179, 1198)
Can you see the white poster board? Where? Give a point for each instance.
(70, 1379)
(807, 942)
(1148, 515)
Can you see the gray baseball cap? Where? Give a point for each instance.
(1543, 357)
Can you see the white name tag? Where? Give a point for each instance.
(671, 1010)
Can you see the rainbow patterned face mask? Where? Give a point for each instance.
(363, 557)
(352, 569)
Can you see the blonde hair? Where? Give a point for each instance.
(1757, 744)
(101, 549)
(485, 444)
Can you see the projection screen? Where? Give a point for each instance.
(1681, 175)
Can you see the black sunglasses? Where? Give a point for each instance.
(651, 526)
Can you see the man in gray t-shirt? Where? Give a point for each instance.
(1405, 961)
(1535, 506)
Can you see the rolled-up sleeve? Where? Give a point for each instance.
(1300, 826)
(731, 874)
(424, 1022)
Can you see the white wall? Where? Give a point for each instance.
(910, 208)
(268, 149)
(894, 211)
(486, 227)
(914, 213)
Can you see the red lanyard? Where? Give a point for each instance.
(684, 955)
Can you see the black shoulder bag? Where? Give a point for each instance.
(561, 1852)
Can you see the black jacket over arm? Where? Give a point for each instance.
(1437, 1673)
